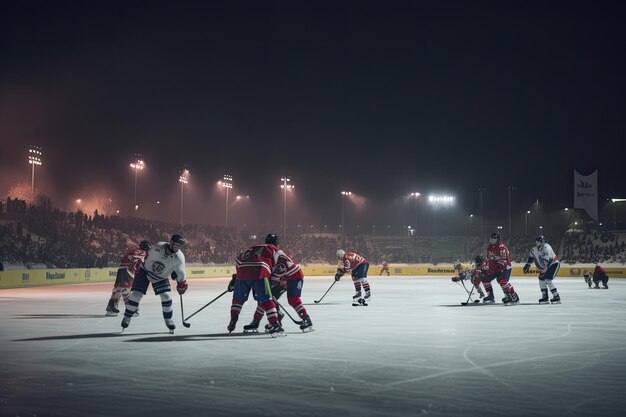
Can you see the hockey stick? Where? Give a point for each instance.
(182, 312)
(205, 306)
(469, 294)
(331, 285)
(298, 322)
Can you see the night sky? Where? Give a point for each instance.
(381, 99)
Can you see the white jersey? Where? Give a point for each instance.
(543, 258)
(161, 262)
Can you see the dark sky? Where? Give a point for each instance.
(379, 98)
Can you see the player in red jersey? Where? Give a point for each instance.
(125, 276)
(385, 268)
(357, 266)
(287, 276)
(600, 276)
(254, 268)
(496, 266)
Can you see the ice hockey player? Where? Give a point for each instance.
(488, 270)
(600, 275)
(358, 267)
(164, 260)
(587, 277)
(287, 276)
(254, 268)
(125, 275)
(385, 268)
(497, 265)
(548, 266)
(464, 272)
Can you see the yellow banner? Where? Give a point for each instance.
(16, 278)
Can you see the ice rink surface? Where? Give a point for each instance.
(413, 351)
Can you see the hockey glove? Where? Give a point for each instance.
(526, 268)
(181, 287)
(231, 284)
(337, 276)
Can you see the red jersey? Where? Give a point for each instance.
(257, 262)
(286, 269)
(499, 253)
(487, 268)
(385, 265)
(351, 261)
(133, 259)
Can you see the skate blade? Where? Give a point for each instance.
(308, 330)
(278, 334)
(110, 314)
(555, 302)
(544, 302)
(251, 331)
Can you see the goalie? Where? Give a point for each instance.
(464, 273)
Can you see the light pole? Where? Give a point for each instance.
(285, 186)
(343, 194)
(227, 183)
(616, 200)
(34, 158)
(415, 197)
(510, 188)
(137, 165)
(526, 222)
(183, 179)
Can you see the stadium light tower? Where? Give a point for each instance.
(34, 158)
(183, 179)
(227, 183)
(343, 194)
(526, 222)
(137, 165)
(286, 186)
(415, 197)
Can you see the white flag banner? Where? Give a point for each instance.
(586, 193)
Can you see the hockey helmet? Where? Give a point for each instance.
(271, 239)
(340, 253)
(177, 240)
(457, 264)
(539, 241)
(478, 260)
(495, 238)
(145, 245)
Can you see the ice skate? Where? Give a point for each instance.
(489, 299)
(111, 310)
(125, 322)
(359, 302)
(253, 327)
(512, 299)
(544, 298)
(606, 286)
(170, 325)
(231, 325)
(556, 299)
(368, 296)
(275, 330)
(356, 296)
(307, 325)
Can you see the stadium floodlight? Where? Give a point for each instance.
(183, 179)
(137, 165)
(286, 186)
(441, 200)
(227, 183)
(34, 158)
(343, 194)
(415, 198)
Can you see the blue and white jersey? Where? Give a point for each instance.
(161, 262)
(543, 258)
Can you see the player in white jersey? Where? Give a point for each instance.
(164, 260)
(548, 266)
